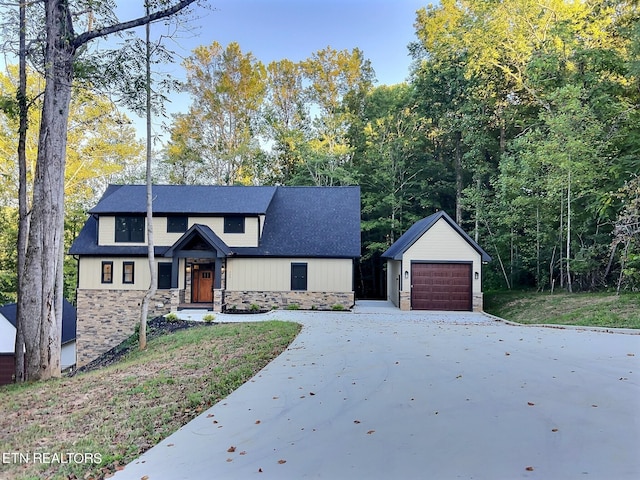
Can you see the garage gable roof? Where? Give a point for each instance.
(419, 228)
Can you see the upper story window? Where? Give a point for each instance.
(130, 229)
(177, 224)
(233, 224)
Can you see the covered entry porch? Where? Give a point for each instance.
(198, 269)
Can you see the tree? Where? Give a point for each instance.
(41, 287)
(337, 83)
(228, 88)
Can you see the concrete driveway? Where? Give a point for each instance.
(385, 394)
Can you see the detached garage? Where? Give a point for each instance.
(435, 265)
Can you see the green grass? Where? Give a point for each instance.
(581, 309)
(122, 410)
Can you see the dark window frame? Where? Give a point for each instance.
(104, 273)
(177, 224)
(234, 224)
(164, 278)
(130, 229)
(125, 273)
(299, 276)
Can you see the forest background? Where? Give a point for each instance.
(519, 118)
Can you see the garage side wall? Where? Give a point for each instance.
(394, 280)
(441, 243)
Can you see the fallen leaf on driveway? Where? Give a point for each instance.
(257, 422)
(210, 415)
(370, 432)
(282, 461)
(356, 421)
(507, 354)
(229, 460)
(554, 429)
(170, 445)
(259, 470)
(631, 354)
(531, 404)
(231, 449)
(529, 469)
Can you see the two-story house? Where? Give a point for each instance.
(220, 247)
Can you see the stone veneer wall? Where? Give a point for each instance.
(107, 317)
(476, 301)
(242, 300)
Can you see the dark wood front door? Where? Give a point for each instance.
(202, 286)
(441, 286)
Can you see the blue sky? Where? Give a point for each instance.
(294, 29)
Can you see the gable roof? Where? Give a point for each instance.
(299, 221)
(9, 311)
(204, 232)
(419, 228)
(185, 199)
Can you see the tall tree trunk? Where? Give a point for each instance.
(23, 207)
(569, 285)
(458, 167)
(42, 312)
(149, 180)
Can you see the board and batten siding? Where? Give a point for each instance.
(90, 273)
(441, 243)
(250, 237)
(274, 274)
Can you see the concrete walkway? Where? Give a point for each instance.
(377, 393)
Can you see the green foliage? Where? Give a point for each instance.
(208, 318)
(171, 317)
(292, 306)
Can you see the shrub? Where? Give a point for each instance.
(337, 307)
(293, 306)
(208, 318)
(254, 307)
(171, 317)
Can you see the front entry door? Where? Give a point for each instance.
(202, 286)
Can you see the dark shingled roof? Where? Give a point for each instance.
(9, 311)
(299, 222)
(311, 221)
(186, 199)
(418, 229)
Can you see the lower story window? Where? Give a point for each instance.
(298, 276)
(127, 272)
(107, 272)
(164, 276)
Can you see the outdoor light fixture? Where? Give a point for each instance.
(406, 274)
(477, 275)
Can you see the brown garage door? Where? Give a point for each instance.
(441, 286)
